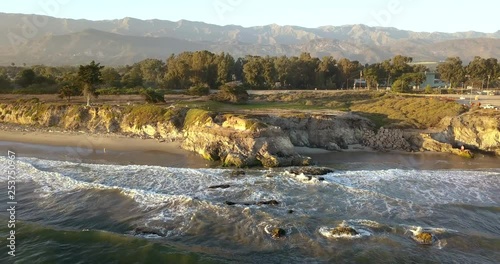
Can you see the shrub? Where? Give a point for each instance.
(231, 94)
(152, 96)
(145, 114)
(428, 89)
(401, 86)
(37, 89)
(199, 90)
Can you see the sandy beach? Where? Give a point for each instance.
(96, 148)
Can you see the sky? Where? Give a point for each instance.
(415, 15)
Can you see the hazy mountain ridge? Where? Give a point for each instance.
(124, 41)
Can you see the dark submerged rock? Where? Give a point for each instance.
(278, 232)
(147, 231)
(237, 173)
(222, 186)
(270, 202)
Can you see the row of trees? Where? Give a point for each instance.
(206, 69)
(479, 70)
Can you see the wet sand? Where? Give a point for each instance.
(98, 148)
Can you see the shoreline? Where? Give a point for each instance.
(96, 147)
(119, 149)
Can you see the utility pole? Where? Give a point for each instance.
(488, 84)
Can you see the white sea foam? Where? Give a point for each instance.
(430, 187)
(178, 194)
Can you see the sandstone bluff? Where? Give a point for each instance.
(260, 140)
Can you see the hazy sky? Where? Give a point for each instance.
(416, 15)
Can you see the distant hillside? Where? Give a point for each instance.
(128, 40)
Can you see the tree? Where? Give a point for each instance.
(282, 65)
(67, 90)
(253, 71)
(401, 85)
(90, 76)
(179, 71)
(270, 74)
(5, 84)
(69, 86)
(225, 68)
(347, 70)
(132, 78)
(151, 71)
(327, 72)
(373, 74)
(25, 77)
(111, 77)
(452, 71)
(302, 72)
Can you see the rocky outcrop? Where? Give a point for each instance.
(478, 130)
(331, 132)
(387, 139)
(238, 141)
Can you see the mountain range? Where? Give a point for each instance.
(35, 39)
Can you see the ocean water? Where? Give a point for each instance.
(73, 212)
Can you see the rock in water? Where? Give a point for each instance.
(278, 232)
(147, 231)
(237, 173)
(271, 202)
(311, 171)
(424, 238)
(344, 231)
(222, 186)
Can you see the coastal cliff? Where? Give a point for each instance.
(330, 131)
(233, 140)
(260, 140)
(478, 130)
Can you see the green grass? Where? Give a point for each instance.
(407, 112)
(194, 116)
(141, 115)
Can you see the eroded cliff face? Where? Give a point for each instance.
(239, 141)
(331, 132)
(234, 140)
(478, 129)
(266, 140)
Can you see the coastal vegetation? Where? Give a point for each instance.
(196, 72)
(207, 100)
